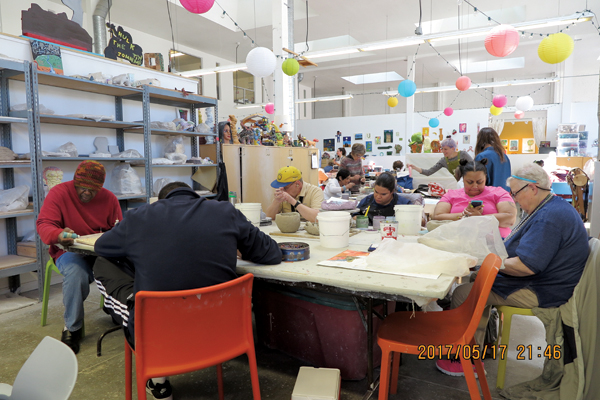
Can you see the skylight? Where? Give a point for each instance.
(390, 76)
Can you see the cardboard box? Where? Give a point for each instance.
(26, 249)
(317, 384)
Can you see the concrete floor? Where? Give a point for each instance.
(103, 377)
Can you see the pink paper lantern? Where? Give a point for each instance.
(499, 100)
(463, 83)
(519, 114)
(197, 6)
(502, 40)
(270, 108)
(448, 111)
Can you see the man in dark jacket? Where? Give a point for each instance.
(180, 242)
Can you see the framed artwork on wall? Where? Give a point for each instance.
(462, 128)
(347, 141)
(377, 139)
(388, 136)
(369, 146)
(545, 143)
(328, 144)
(504, 143)
(528, 146)
(466, 139)
(514, 145)
(358, 136)
(425, 131)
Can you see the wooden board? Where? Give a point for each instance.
(305, 235)
(88, 239)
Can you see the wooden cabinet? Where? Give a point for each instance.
(251, 169)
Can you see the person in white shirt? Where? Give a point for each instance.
(336, 186)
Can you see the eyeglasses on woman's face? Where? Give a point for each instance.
(514, 195)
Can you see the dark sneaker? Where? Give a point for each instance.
(159, 391)
(72, 339)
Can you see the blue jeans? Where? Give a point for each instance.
(77, 276)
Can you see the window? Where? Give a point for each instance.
(181, 62)
(243, 87)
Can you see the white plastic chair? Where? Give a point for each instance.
(49, 373)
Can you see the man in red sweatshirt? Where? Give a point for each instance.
(84, 207)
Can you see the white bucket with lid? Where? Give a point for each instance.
(334, 228)
(409, 218)
(251, 211)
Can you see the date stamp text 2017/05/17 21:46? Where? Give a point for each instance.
(476, 352)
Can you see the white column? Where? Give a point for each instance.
(410, 112)
(282, 37)
(567, 91)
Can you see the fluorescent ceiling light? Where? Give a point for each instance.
(330, 53)
(480, 85)
(177, 54)
(390, 76)
(390, 44)
(326, 98)
(493, 65)
(251, 106)
(300, 101)
(206, 71)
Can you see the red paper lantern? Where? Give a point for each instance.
(502, 40)
(463, 83)
(197, 6)
(519, 114)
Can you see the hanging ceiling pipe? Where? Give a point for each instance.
(99, 23)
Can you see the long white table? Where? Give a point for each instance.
(375, 285)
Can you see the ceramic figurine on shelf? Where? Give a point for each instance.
(210, 119)
(234, 132)
(436, 146)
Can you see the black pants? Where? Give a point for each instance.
(115, 281)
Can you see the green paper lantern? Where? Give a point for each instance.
(290, 67)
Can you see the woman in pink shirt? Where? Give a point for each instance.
(477, 199)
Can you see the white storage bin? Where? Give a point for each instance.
(317, 384)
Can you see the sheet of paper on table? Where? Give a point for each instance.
(357, 260)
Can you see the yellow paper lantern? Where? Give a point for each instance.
(496, 110)
(392, 102)
(556, 48)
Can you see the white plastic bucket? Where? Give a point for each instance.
(409, 219)
(334, 228)
(251, 211)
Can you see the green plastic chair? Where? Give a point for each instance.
(51, 267)
(506, 313)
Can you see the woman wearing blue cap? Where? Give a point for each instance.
(293, 194)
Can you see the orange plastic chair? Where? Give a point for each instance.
(411, 333)
(183, 331)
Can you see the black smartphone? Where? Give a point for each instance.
(476, 203)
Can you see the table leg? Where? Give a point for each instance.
(370, 342)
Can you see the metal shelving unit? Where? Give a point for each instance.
(179, 99)
(12, 265)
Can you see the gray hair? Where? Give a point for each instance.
(532, 172)
(448, 142)
(358, 148)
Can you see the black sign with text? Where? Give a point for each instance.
(121, 46)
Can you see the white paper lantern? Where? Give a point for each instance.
(261, 62)
(524, 103)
